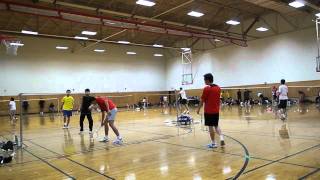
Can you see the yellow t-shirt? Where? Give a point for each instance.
(67, 103)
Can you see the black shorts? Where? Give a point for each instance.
(274, 97)
(211, 119)
(283, 104)
(183, 101)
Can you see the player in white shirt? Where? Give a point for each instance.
(183, 100)
(144, 103)
(12, 109)
(283, 99)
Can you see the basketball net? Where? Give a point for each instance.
(11, 49)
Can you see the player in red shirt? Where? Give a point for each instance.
(106, 105)
(211, 100)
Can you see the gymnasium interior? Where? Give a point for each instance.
(141, 54)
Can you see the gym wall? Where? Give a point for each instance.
(290, 56)
(41, 68)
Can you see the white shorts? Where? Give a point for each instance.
(112, 115)
(12, 112)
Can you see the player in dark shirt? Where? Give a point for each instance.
(41, 105)
(246, 96)
(85, 110)
(239, 96)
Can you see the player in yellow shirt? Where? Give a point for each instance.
(67, 107)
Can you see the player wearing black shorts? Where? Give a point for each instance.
(211, 100)
(85, 111)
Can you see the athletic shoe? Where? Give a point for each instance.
(90, 133)
(222, 143)
(118, 141)
(64, 127)
(81, 133)
(104, 139)
(211, 146)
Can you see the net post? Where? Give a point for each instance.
(58, 104)
(21, 119)
(177, 111)
(318, 39)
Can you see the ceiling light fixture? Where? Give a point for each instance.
(195, 14)
(124, 42)
(296, 4)
(158, 55)
(233, 22)
(145, 3)
(262, 29)
(81, 37)
(99, 50)
(62, 47)
(157, 45)
(89, 33)
(131, 53)
(29, 32)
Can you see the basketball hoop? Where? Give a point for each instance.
(11, 44)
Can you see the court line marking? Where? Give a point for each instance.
(163, 138)
(309, 174)
(60, 158)
(193, 148)
(270, 160)
(314, 138)
(247, 156)
(198, 148)
(65, 157)
(285, 157)
(239, 155)
(49, 164)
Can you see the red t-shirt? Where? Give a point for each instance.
(211, 99)
(102, 103)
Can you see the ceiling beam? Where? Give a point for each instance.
(172, 9)
(72, 38)
(194, 42)
(212, 43)
(288, 21)
(230, 7)
(275, 31)
(251, 26)
(125, 30)
(151, 19)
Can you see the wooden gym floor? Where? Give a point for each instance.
(258, 147)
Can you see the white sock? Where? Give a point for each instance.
(221, 138)
(213, 142)
(65, 124)
(119, 137)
